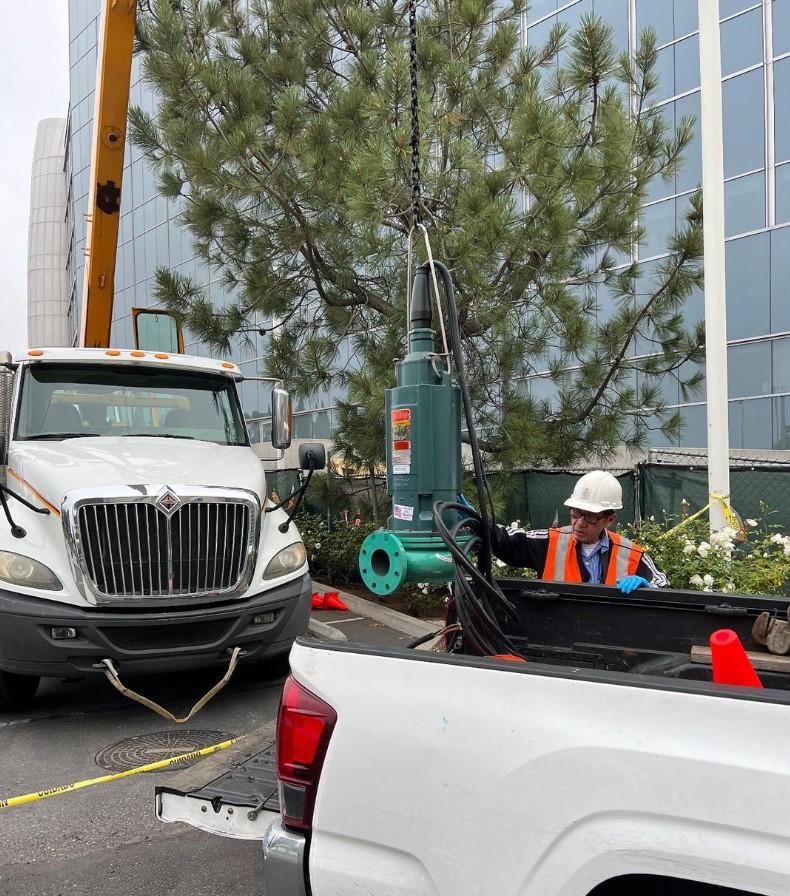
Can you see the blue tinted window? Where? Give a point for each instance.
(780, 279)
(694, 432)
(689, 174)
(748, 286)
(742, 106)
(783, 193)
(781, 29)
(781, 365)
(615, 14)
(742, 42)
(781, 423)
(664, 71)
(749, 369)
(658, 16)
(539, 8)
(659, 224)
(685, 17)
(750, 423)
(744, 204)
(781, 106)
(687, 64)
(730, 7)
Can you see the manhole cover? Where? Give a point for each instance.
(145, 748)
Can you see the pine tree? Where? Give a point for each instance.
(283, 130)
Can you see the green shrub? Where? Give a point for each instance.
(752, 559)
(332, 554)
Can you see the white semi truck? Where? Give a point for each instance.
(134, 523)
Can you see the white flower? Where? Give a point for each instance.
(729, 588)
(708, 579)
(516, 524)
(696, 580)
(499, 563)
(703, 549)
(777, 538)
(751, 524)
(652, 518)
(688, 548)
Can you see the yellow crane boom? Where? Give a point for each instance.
(113, 77)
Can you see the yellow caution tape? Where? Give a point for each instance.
(730, 515)
(149, 767)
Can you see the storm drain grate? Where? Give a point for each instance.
(145, 748)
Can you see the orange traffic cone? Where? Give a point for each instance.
(730, 663)
(317, 602)
(332, 601)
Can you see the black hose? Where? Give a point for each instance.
(479, 601)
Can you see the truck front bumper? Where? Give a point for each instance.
(149, 641)
(284, 858)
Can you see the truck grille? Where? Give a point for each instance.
(134, 549)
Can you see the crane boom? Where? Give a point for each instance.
(113, 81)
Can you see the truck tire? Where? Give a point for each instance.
(17, 691)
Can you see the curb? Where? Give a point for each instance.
(392, 618)
(322, 630)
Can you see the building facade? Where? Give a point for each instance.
(48, 239)
(755, 38)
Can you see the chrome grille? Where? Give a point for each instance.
(134, 549)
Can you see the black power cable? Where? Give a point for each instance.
(479, 601)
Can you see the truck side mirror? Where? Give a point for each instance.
(6, 391)
(312, 455)
(282, 420)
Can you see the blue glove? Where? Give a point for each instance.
(631, 583)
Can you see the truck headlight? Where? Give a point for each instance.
(20, 570)
(285, 561)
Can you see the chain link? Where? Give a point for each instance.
(415, 118)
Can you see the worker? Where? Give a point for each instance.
(587, 550)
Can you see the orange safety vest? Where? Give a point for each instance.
(562, 562)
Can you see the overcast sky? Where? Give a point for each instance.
(35, 84)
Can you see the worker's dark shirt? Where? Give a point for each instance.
(518, 547)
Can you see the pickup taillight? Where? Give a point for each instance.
(304, 726)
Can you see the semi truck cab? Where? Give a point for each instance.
(134, 524)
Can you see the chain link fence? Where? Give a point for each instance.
(536, 497)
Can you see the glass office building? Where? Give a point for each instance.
(755, 41)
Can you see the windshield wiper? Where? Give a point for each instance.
(60, 435)
(153, 435)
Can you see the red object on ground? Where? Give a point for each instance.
(317, 602)
(332, 601)
(729, 660)
(509, 656)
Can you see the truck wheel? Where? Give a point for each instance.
(17, 691)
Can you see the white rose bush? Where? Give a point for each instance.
(753, 558)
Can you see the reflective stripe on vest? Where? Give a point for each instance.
(562, 562)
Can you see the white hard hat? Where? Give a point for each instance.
(596, 492)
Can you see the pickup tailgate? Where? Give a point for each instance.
(232, 793)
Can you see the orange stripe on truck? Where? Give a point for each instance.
(34, 491)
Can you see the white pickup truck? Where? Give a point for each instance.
(134, 524)
(606, 765)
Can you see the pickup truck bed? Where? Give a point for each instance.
(606, 763)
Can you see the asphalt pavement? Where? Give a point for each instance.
(105, 839)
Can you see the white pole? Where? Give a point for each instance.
(713, 230)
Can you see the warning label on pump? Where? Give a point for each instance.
(403, 512)
(400, 420)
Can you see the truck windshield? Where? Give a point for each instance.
(72, 401)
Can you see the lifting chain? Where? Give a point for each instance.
(415, 117)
